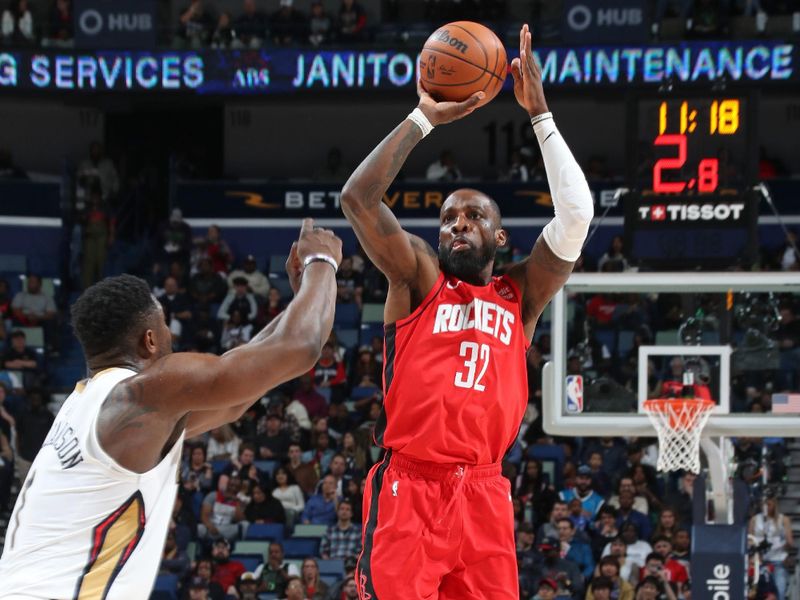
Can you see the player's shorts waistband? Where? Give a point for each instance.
(433, 470)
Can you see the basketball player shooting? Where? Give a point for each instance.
(438, 514)
(92, 516)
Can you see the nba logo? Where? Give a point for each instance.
(574, 393)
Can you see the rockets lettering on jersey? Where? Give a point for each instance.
(484, 316)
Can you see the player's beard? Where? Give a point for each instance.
(466, 264)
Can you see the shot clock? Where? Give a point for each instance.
(692, 160)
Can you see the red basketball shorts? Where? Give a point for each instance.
(437, 531)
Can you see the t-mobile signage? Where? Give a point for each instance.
(718, 562)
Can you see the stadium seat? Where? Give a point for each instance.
(309, 531)
(191, 550)
(252, 547)
(218, 465)
(277, 265)
(34, 336)
(667, 338)
(347, 315)
(250, 561)
(264, 531)
(166, 588)
(364, 391)
(332, 566)
(13, 263)
(607, 338)
(301, 547)
(369, 331)
(624, 342)
(372, 313)
(267, 596)
(330, 579)
(552, 458)
(347, 337)
(266, 466)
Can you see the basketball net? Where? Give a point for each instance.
(679, 423)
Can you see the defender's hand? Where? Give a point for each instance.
(439, 113)
(315, 240)
(527, 75)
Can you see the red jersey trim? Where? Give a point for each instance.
(429, 297)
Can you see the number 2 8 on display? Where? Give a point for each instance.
(720, 118)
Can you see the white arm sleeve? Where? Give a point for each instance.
(572, 199)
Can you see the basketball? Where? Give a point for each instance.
(462, 58)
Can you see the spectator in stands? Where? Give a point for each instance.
(173, 240)
(59, 25)
(600, 589)
(342, 539)
(352, 22)
(681, 548)
(628, 566)
(199, 469)
(205, 336)
(217, 249)
(338, 468)
(19, 357)
(319, 24)
(98, 235)
(527, 558)
(308, 396)
(608, 567)
(576, 516)
(6, 473)
(222, 37)
(604, 530)
(196, 24)
(574, 549)
(708, 19)
(635, 548)
(236, 331)
(206, 286)
(256, 280)
(329, 376)
(273, 443)
(177, 309)
(533, 486)
(304, 473)
(771, 526)
(676, 572)
(226, 571)
(17, 24)
(788, 338)
(274, 305)
(287, 24)
(547, 589)
(222, 513)
(294, 587)
(445, 169)
(33, 424)
(197, 588)
(626, 485)
(250, 27)
(98, 170)
(667, 523)
(334, 171)
(321, 507)
(7, 421)
(349, 589)
(247, 587)
(242, 465)
(564, 572)
(681, 500)
(276, 572)
(627, 514)
(238, 299)
(601, 482)
(349, 284)
(355, 455)
(590, 499)
(173, 560)
(288, 493)
(654, 588)
(643, 475)
(34, 308)
(314, 587)
(613, 260)
(264, 507)
(365, 365)
(549, 529)
(223, 444)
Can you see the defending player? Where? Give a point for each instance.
(438, 514)
(92, 516)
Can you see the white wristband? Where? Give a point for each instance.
(418, 117)
(541, 117)
(321, 258)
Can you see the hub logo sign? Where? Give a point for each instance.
(604, 21)
(115, 23)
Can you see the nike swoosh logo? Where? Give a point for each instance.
(451, 286)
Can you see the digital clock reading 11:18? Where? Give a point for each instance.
(696, 145)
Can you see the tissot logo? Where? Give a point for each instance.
(692, 212)
(720, 585)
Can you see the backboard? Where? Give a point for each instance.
(618, 339)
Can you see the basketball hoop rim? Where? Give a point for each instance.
(678, 413)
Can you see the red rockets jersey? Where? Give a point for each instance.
(455, 380)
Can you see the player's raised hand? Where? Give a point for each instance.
(439, 113)
(528, 77)
(315, 240)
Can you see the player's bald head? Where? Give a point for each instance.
(468, 196)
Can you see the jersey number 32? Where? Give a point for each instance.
(473, 353)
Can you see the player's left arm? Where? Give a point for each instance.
(201, 421)
(554, 254)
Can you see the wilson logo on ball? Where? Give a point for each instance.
(443, 35)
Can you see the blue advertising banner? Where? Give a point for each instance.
(115, 23)
(604, 21)
(281, 71)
